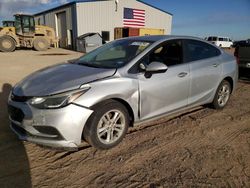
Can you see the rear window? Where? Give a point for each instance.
(198, 50)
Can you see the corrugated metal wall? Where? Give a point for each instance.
(50, 19)
(40, 20)
(102, 16)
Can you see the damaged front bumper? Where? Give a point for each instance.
(61, 128)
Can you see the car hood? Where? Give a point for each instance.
(59, 78)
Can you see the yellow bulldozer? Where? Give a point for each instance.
(24, 33)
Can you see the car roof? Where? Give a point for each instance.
(154, 38)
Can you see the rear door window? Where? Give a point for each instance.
(198, 50)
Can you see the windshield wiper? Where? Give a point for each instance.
(89, 64)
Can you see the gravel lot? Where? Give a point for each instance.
(201, 148)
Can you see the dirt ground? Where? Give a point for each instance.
(200, 148)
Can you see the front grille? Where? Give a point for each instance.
(19, 98)
(49, 131)
(15, 113)
(22, 132)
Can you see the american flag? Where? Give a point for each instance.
(133, 17)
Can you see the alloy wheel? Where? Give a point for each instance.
(223, 95)
(111, 126)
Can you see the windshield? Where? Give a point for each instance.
(18, 25)
(114, 54)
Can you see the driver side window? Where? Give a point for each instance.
(169, 53)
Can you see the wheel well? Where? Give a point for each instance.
(231, 82)
(124, 103)
(130, 111)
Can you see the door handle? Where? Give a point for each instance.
(215, 65)
(182, 74)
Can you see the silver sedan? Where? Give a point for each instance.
(98, 96)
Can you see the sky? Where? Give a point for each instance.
(199, 18)
(203, 18)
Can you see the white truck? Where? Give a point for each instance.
(223, 42)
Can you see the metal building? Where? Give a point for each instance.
(102, 16)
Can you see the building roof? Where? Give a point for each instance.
(85, 1)
(155, 7)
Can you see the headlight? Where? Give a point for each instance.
(57, 101)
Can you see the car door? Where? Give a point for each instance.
(164, 92)
(205, 70)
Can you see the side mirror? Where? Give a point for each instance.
(156, 67)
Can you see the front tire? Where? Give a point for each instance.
(7, 44)
(222, 95)
(107, 125)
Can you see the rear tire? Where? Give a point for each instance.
(7, 44)
(222, 95)
(41, 44)
(107, 125)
